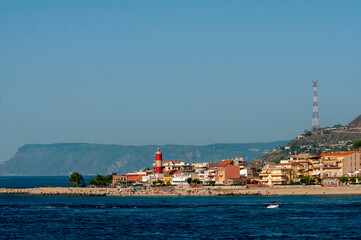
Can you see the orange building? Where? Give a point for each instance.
(226, 171)
(135, 177)
(331, 166)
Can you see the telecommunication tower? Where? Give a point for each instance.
(315, 123)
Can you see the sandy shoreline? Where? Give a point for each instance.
(205, 191)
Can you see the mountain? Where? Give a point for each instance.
(355, 123)
(88, 159)
(324, 140)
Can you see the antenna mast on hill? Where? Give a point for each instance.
(315, 123)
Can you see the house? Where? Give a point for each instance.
(134, 177)
(226, 171)
(239, 162)
(168, 175)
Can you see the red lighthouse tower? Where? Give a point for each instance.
(158, 161)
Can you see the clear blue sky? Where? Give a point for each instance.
(174, 72)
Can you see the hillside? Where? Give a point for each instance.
(89, 159)
(330, 139)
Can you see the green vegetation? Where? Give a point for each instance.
(194, 181)
(160, 182)
(324, 140)
(308, 180)
(352, 179)
(307, 134)
(357, 145)
(102, 181)
(212, 183)
(189, 180)
(319, 180)
(343, 179)
(76, 179)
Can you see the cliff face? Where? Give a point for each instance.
(330, 139)
(89, 159)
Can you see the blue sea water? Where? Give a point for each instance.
(36, 181)
(231, 217)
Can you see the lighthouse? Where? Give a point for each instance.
(158, 161)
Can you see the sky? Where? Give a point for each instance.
(174, 72)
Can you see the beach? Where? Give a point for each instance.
(203, 191)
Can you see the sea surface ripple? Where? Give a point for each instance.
(237, 217)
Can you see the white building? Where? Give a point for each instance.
(248, 173)
(180, 178)
(175, 165)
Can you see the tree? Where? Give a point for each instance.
(99, 180)
(76, 179)
(189, 180)
(343, 179)
(212, 183)
(357, 145)
(353, 179)
(308, 180)
(168, 183)
(196, 181)
(307, 134)
(319, 180)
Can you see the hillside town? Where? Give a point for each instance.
(329, 169)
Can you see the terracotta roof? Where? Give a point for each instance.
(336, 154)
(229, 161)
(173, 171)
(172, 161)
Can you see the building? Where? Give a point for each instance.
(176, 165)
(210, 175)
(331, 166)
(239, 162)
(201, 170)
(300, 157)
(281, 173)
(119, 179)
(225, 171)
(130, 178)
(179, 179)
(246, 173)
(168, 176)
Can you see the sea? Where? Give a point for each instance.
(190, 217)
